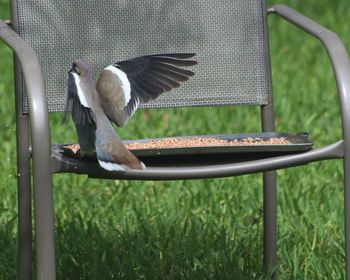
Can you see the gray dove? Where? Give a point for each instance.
(121, 87)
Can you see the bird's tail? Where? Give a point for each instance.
(111, 165)
(111, 153)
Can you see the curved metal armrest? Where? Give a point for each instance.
(338, 56)
(332, 151)
(39, 121)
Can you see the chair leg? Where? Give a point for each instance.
(270, 224)
(24, 201)
(347, 215)
(44, 222)
(44, 228)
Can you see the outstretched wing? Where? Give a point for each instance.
(124, 85)
(76, 103)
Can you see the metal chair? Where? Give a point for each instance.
(46, 36)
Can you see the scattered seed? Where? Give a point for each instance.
(194, 142)
(203, 142)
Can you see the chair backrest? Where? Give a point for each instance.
(229, 38)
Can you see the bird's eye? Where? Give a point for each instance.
(76, 69)
(72, 69)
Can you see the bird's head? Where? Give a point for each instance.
(80, 67)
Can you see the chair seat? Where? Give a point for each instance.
(206, 149)
(205, 162)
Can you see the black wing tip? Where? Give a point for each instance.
(173, 58)
(175, 61)
(176, 56)
(190, 73)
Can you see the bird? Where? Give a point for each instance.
(95, 131)
(120, 88)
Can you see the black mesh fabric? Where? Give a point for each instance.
(227, 36)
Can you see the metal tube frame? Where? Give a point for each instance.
(24, 175)
(70, 165)
(269, 179)
(41, 151)
(24, 192)
(269, 203)
(341, 67)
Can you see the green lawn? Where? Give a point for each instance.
(209, 229)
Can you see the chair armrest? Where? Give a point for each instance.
(41, 149)
(73, 165)
(39, 121)
(338, 56)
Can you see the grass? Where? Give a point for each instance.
(209, 229)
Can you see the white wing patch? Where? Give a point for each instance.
(81, 95)
(123, 78)
(110, 166)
